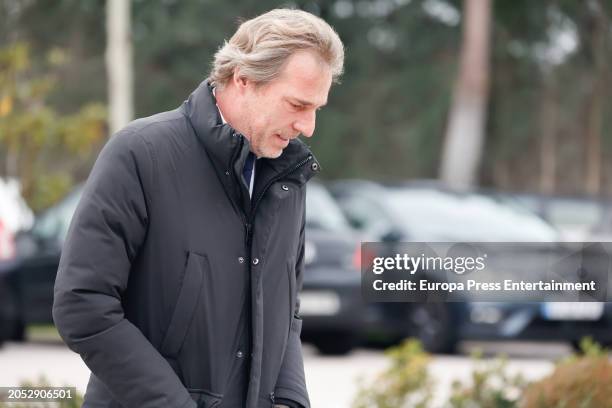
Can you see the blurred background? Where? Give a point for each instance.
(473, 120)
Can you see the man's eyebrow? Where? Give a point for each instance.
(306, 103)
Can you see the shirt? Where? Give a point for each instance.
(249, 166)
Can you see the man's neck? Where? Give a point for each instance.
(228, 108)
(224, 97)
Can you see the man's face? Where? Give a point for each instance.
(279, 111)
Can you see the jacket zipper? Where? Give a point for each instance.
(248, 219)
(274, 180)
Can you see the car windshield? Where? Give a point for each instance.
(434, 215)
(54, 222)
(322, 212)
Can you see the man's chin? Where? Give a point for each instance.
(271, 153)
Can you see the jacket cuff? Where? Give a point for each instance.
(287, 402)
(285, 394)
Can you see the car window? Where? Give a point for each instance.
(54, 222)
(433, 215)
(366, 214)
(322, 211)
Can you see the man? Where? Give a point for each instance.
(179, 278)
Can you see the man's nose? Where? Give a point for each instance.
(306, 124)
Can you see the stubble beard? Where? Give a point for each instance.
(259, 148)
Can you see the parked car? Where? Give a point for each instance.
(31, 273)
(330, 301)
(14, 215)
(429, 212)
(577, 218)
(14, 211)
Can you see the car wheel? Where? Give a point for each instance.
(433, 325)
(19, 330)
(7, 314)
(12, 326)
(334, 343)
(4, 330)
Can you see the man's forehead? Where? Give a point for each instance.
(306, 79)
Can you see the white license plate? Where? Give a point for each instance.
(572, 310)
(319, 303)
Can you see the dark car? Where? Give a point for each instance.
(336, 317)
(30, 275)
(330, 301)
(429, 212)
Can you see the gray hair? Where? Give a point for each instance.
(261, 46)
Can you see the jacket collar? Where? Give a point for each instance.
(228, 149)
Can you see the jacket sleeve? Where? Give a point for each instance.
(105, 235)
(291, 383)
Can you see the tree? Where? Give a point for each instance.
(598, 40)
(34, 138)
(119, 65)
(466, 126)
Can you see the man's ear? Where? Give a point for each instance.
(240, 81)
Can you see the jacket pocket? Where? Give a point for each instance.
(292, 286)
(292, 291)
(204, 398)
(185, 306)
(292, 300)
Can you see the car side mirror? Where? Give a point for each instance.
(392, 235)
(356, 223)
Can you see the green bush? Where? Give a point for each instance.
(490, 387)
(579, 381)
(406, 383)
